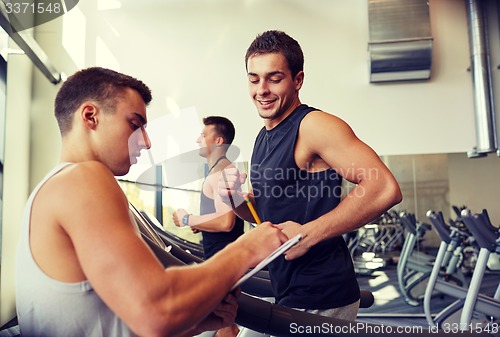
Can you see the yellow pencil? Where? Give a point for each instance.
(252, 210)
(249, 203)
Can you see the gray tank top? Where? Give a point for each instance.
(47, 307)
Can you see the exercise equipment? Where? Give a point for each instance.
(488, 238)
(373, 246)
(191, 247)
(470, 249)
(452, 239)
(468, 299)
(414, 267)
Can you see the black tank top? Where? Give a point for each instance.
(324, 277)
(215, 241)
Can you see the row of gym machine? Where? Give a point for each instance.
(469, 250)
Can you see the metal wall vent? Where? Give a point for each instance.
(400, 44)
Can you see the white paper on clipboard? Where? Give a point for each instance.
(280, 250)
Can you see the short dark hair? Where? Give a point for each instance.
(275, 41)
(104, 86)
(223, 126)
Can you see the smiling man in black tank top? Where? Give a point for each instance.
(299, 159)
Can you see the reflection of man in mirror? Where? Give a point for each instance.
(217, 222)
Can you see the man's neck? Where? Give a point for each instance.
(74, 151)
(215, 156)
(272, 123)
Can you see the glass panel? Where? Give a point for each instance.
(425, 186)
(181, 198)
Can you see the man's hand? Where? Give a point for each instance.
(178, 215)
(261, 241)
(229, 187)
(291, 229)
(223, 315)
(230, 331)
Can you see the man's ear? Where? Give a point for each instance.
(299, 80)
(219, 141)
(89, 115)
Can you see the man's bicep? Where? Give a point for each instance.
(117, 262)
(362, 163)
(108, 247)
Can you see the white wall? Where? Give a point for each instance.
(476, 184)
(16, 173)
(191, 54)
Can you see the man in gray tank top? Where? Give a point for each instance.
(82, 268)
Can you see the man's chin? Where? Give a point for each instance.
(266, 115)
(124, 169)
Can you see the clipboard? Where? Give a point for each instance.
(280, 250)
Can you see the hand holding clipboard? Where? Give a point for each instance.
(277, 252)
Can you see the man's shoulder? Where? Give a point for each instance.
(320, 125)
(78, 184)
(92, 167)
(320, 119)
(319, 113)
(80, 176)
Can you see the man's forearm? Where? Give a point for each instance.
(353, 212)
(212, 222)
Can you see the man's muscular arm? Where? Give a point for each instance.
(116, 260)
(330, 142)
